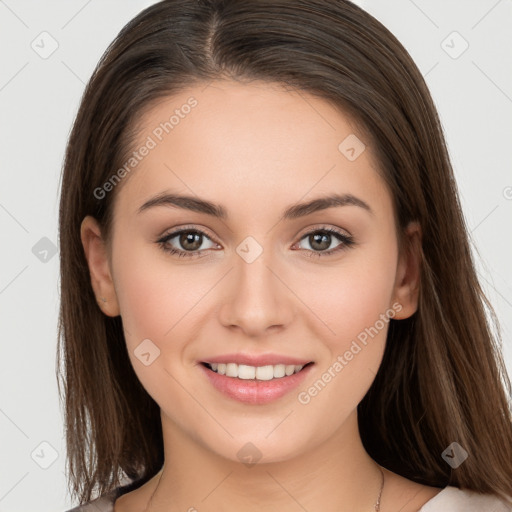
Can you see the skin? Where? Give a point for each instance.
(256, 149)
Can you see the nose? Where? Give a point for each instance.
(257, 299)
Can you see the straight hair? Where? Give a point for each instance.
(442, 378)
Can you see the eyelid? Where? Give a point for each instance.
(323, 227)
(192, 227)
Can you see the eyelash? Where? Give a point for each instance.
(346, 242)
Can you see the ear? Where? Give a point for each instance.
(99, 267)
(407, 283)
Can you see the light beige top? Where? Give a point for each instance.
(450, 499)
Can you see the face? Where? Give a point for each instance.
(269, 283)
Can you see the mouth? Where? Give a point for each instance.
(258, 373)
(255, 385)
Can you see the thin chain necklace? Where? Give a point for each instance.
(376, 506)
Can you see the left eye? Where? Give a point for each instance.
(191, 240)
(321, 239)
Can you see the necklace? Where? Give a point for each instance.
(376, 506)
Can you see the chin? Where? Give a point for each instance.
(257, 449)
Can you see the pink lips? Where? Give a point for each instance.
(253, 391)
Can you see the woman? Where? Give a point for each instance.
(268, 296)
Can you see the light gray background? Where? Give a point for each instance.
(38, 100)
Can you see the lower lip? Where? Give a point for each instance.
(252, 391)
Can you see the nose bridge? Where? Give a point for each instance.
(257, 299)
(256, 281)
(253, 266)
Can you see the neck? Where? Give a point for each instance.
(336, 475)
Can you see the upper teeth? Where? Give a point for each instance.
(243, 371)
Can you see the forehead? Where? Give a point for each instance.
(256, 143)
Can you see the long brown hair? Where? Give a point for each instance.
(442, 378)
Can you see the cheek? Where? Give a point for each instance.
(162, 301)
(153, 295)
(352, 297)
(355, 302)
(156, 301)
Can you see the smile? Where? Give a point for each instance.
(254, 385)
(246, 372)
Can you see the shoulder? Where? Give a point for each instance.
(104, 503)
(453, 499)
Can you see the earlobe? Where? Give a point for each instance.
(99, 268)
(407, 283)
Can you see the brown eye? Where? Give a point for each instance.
(188, 242)
(321, 239)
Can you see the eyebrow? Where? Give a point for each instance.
(295, 211)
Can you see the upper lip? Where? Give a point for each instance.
(257, 360)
